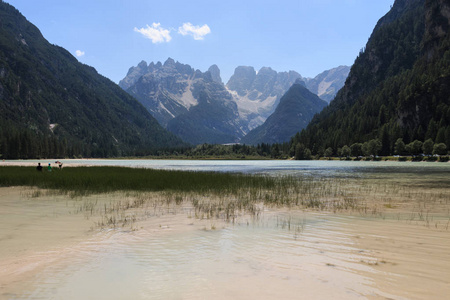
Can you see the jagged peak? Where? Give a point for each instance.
(142, 64)
(266, 69)
(169, 62)
(215, 73)
(244, 68)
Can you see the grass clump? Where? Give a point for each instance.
(95, 180)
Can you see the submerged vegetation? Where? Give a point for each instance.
(128, 195)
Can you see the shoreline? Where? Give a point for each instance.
(85, 161)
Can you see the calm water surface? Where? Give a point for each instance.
(276, 167)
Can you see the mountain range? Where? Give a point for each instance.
(396, 92)
(199, 108)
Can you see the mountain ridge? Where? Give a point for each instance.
(296, 108)
(170, 92)
(50, 104)
(395, 92)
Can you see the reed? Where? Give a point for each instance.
(94, 180)
(137, 194)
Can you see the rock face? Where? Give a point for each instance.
(189, 103)
(328, 83)
(258, 94)
(296, 109)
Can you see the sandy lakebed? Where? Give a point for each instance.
(106, 246)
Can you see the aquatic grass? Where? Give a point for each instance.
(136, 194)
(95, 180)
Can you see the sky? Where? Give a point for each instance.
(302, 35)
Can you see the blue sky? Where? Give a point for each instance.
(303, 35)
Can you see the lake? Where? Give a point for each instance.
(397, 248)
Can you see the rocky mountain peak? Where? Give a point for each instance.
(169, 62)
(328, 83)
(242, 79)
(266, 70)
(215, 73)
(133, 75)
(142, 65)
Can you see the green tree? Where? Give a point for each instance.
(375, 146)
(371, 147)
(366, 149)
(440, 149)
(356, 149)
(440, 137)
(399, 147)
(301, 152)
(427, 147)
(385, 140)
(414, 148)
(431, 130)
(346, 151)
(275, 151)
(328, 152)
(307, 154)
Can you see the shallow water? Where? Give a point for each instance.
(49, 250)
(279, 255)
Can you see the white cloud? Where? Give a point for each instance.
(196, 31)
(79, 53)
(156, 33)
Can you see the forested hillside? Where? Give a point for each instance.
(398, 90)
(53, 106)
